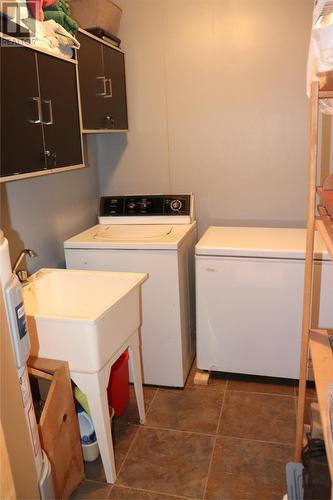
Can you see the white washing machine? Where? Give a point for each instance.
(249, 284)
(154, 234)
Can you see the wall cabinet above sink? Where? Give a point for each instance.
(40, 118)
(102, 85)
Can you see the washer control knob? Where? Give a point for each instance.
(132, 205)
(176, 205)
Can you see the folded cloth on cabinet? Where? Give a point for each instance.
(51, 36)
(59, 12)
(61, 18)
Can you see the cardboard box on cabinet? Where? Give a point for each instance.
(96, 14)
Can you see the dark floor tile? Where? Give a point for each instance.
(267, 385)
(131, 414)
(91, 490)
(243, 469)
(94, 470)
(258, 416)
(217, 380)
(187, 410)
(169, 462)
(123, 436)
(122, 493)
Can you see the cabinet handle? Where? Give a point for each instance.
(110, 120)
(109, 81)
(49, 102)
(39, 109)
(54, 159)
(104, 85)
(50, 156)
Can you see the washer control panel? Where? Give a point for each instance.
(142, 205)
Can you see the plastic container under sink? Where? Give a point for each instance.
(89, 443)
(85, 424)
(90, 451)
(118, 388)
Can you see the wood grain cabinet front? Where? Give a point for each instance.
(102, 86)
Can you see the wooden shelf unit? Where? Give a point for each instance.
(322, 362)
(324, 221)
(315, 342)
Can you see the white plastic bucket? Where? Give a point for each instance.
(90, 451)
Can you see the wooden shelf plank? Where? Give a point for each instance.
(326, 83)
(325, 228)
(326, 197)
(326, 94)
(322, 361)
(329, 331)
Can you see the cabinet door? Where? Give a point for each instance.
(92, 83)
(114, 70)
(22, 147)
(61, 120)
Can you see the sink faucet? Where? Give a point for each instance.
(23, 275)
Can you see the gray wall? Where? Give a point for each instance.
(217, 106)
(41, 212)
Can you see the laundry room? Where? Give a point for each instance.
(166, 247)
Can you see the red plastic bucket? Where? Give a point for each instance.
(118, 388)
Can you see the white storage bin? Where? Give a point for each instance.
(90, 451)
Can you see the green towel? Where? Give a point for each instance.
(60, 5)
(59, 13)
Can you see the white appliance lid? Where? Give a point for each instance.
(132, 232)
(257, 242)
(131, 237)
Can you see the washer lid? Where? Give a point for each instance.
(131, 237)
(131, 232)
(285, 243)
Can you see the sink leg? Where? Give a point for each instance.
(135, 363)
(94, 386)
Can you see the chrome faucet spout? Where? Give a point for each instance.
(26, 251)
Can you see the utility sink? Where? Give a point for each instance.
(88, 318)
(81, 316)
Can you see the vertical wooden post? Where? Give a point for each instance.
(308, 277)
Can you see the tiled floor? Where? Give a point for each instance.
(228, 440)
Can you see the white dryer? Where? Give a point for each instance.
(154, 234)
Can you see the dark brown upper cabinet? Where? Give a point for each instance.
(40, 120)
(102, 85)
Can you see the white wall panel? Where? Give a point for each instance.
(138, 161)
(216, 95)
